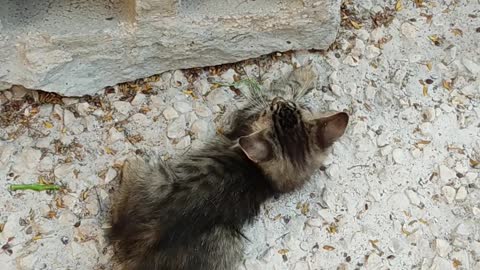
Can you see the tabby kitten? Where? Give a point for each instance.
(189, 215)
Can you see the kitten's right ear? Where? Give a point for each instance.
(329, 129)
(256, 147)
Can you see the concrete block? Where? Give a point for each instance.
(78, 47)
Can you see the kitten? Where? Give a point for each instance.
(189, 215)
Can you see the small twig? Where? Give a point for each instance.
(360, 165)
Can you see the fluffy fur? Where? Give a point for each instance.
(189, 215)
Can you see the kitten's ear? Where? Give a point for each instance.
(329, 129)
(256, 147)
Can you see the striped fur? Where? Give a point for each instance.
(189, 214)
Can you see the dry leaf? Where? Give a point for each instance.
(37, 237)
(2, 226)
(436, 39)
(328, 248)
(51, 214)
(418, 3)
(399, 5)
(190, 93)
(429, 65)
(457, 263)
(59, 202)
(424, 88)
(47, 124)
(355, 24)
(135, 138)
(283, 251)
(457, 32)
(110, 151)
(332, 228)
(305, 209)
(428, 17)
(474, 163)
(447, 85)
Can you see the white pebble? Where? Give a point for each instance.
(141, 119)
(200, 129)
(177, 128)
(114, 135)
(122, 107)
(139, 99)
(202, 110)
(110, 175)
(399, 156)
(446, 173)
(449, 193)
(372, 52)
(442, 247)
(440, 263)
(473, 67)
(182, 107)
(169, 113)
(183, 143)
(83, 108)
(351, 61)
(219, 96)
(461, 194)
(408, 30)
(413, 197)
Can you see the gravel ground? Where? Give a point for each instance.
(401, 190)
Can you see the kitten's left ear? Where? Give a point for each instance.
(329, 129)
(256, 147)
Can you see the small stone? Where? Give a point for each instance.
(446, 173)
(202, 110)
(177, 128)
(442, 247)
(43, 142)
(463, 230)
(114, 135)
(374, 261)
(157, 101)
(202, 86)
(31, 157)
(413, 197)
(122, 107)
(169, 113)
(200, 129)
(314, 222)
(182, 107)
(351, 61)
(141, 119)
(65, 240)
(461, 194)
(449, 193)
(63, 170)
(359, 48)
(399, 156)
(139, 99)
(179, 78)
(110, 175)
(363, 34)
(440, 263)
(372, 52)
(425, 128)
(227, 76)
(473, 67)
(383, 139)
(476, 211)
(183, 143)
(337, 90)
(333, 171)
(83, 108)
(428, 114)
(18, 92)
(219, 96)
(408, 30)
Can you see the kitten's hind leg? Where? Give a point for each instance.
(141, 181)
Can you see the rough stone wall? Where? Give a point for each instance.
(78, 47)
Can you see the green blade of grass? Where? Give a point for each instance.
(36, 187)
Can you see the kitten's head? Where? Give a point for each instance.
(288, 143)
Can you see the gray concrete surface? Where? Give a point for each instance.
(78, 47)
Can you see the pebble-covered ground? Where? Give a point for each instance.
(401, 190)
